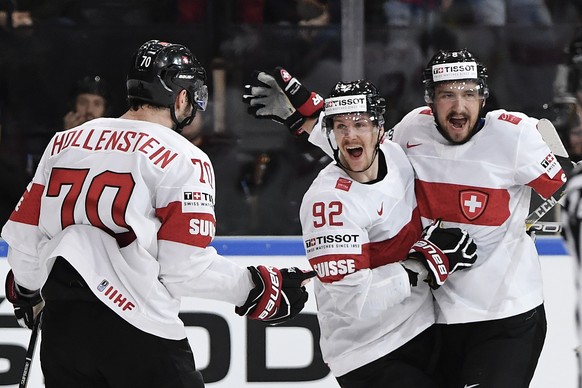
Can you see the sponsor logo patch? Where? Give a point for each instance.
(346, 104)
(343, 184)
(454, 71)
(551, 165)
(196, 201)
(333, 243)
(509, 118)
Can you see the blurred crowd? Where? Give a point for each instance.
(54, 75)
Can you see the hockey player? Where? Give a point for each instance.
(572, 221)
(477, 174)
(115, 228)
(359, 219)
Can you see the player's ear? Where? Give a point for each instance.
(181, 99)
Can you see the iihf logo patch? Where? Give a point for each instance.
(104, 283)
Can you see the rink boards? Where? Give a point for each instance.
(233, 352)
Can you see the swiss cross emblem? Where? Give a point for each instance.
(473, 203)
(196, 196)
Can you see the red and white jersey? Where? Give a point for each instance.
(355, 236)
(130, 204)
(484, 186)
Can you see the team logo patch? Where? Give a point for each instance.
(196, 201)
(509, 118)
(473, 203)
(343, 184)
(551, 165)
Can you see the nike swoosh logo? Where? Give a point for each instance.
(471, 386)
(408, 145)
(381, 211)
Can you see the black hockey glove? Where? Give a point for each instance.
(282, 98)
(278, 295)
(443, 251)
(27, 304)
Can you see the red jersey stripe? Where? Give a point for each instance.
(463, 204)
(196, 229)
(545, 186)
(28, 209)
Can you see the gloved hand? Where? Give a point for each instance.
(278, 295)
(443, 251)
(282, 98)
(27, 304)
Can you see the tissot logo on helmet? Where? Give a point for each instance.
(454, 71)
(345, 104)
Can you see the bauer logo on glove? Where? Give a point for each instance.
(444, 251)
(278, 296)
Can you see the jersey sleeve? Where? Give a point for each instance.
(189, 266)
(23, 234)
(537, 166)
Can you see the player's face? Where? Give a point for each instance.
(91, 106)
(356, 137)
(456, 106)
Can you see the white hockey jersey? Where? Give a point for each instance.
(484, 186)
(355, 235)
(130, 204)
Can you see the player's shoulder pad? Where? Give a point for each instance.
(411, 120)
(510, 119)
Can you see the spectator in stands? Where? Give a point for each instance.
(90, 99)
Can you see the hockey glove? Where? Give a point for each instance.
(443, 251)
(282, 98)
(27, 304)
(278, 295)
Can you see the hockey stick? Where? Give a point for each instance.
(552, 139)
(546, 227)
(30, 351)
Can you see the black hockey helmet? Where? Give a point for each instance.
(160, 70)
(446, 66)
(352, 97)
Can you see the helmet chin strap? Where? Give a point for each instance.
(178, 125)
